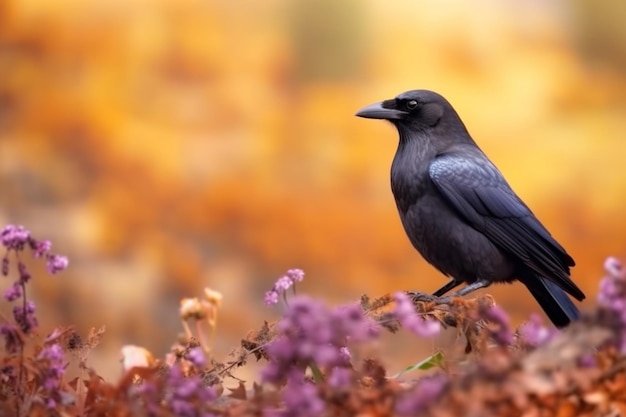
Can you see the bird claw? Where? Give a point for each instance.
(425, 297)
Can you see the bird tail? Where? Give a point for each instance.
(553, 300)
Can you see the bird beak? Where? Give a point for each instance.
(377, 111)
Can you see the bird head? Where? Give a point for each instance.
(418, 111)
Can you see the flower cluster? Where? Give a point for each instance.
(311, 333)
(301, 399)
(534, 334)
(404, 312)
(184, 396)
(51, 372)
(197, 357)
(16, 239)
(415, 401)
(199, 312)
(612, 296)
(25, 317)
(282, 284)
(501, 333)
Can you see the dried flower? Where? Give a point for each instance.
(136, 356)
(213, 297)
(192, 308)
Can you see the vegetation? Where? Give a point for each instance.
(316, 361)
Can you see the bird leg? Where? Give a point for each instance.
(471, 288)
(450, 285)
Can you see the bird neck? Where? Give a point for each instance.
(409, 170)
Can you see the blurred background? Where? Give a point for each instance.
(166, 146)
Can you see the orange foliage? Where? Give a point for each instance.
(167, 146)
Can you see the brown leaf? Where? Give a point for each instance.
(239, 392)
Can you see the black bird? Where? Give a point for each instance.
(460, 213)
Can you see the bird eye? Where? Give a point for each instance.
(411, 104)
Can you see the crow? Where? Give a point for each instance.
(461, 214)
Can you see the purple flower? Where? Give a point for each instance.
(295, 275)
(12, 338)
(53, 355)
(345, 354)
(588, 360)
(404, 312)
(8, 375)
(41, 248)
(13, 292)
(415, 401)
(271, 297)
(56, 263)
(282, 284)
(354, 322)
(301, 399)
(612, 297)
(197, 357)
(51, 372)
(25, 317)
(24, 274)
(533, 333)
(186, 395)
(14, 237)
(502, 335)
(340, 377)
(148, 392)
(310, 332)
(614, 268)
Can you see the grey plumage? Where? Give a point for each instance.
(460, 213)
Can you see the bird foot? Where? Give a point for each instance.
(425, 297)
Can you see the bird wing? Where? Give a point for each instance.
(479, 192)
